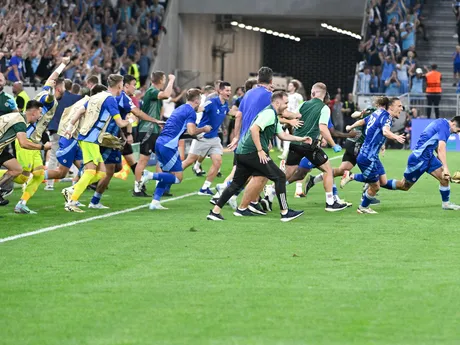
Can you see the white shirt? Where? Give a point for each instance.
(168, 107)
(200, 115)
(294, 101)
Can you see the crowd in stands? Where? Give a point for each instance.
(100, 36)
(389, 60)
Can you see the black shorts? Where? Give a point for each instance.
(248, 165)
(147, 144)
(351, 152)
(313, 153)
(5, 156)
(127, 149)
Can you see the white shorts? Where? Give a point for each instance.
(204, 147)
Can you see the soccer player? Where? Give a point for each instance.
(111, 156)
(377, 129)
(252, 158)
(31, 161)
(13, 126)
(315, 117)
(148, 131)
(167, 146)
(422, 159)
(215, 111)
(99, 110)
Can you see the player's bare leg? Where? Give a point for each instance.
(369, 194)
(216, 164)
(102, 185)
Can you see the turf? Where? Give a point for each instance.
(172, 277)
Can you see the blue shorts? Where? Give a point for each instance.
(371, 170)
(416, 167)
(168, 158)
(456, 67)
(69, 151)
(111, 156)
(306, 164)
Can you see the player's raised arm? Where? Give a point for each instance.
(57, 72)
(169, 88)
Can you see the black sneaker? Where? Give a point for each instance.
(309, 185)
(141, 194)
(266, 204)
(214, 216)
(214, 201)
(219, 174)
(257, 209)
(291, 215)
(199, 174)
(243, 213)
(4, 192)
(167, 194)
(3, 202)
(335, 207)
(144, 188)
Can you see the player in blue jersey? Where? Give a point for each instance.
(112, 157)
(182, 119)
(377, 130)
(422, 159)
(214, 114)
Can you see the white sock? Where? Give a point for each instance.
(329, 198)
(156, 183)
(234, 197)
(197, 166)
(318, 179)
(298, 188)
(206, 184)
(285, 148)
(137, 187)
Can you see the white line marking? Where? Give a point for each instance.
(102, 216)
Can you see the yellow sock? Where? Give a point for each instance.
(100, 175)
(33, 184)
(21, 179)
(83, 182)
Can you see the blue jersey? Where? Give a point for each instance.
(438, 130)
(109, 110)
(254, 101)
(374, 133)
(213, 115)
(176, 126)
(47, 106)
(125, 105)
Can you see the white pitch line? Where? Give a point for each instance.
(102, 216)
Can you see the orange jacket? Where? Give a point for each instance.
(433, 82)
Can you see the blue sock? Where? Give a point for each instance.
(159, 190)
(391, 184)
(359, 178)
(167, 178)
(96, 198)
(445, 193)
(334, 190)
(366, 200)
(168, 188)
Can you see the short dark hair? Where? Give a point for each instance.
(33, 104)
(128, 78)
(265, 75)
(73, 58)
(296, 83)
(224, 84)
(192, 94)
(250, 84)
(97, 88)
(278, 95)
(93, 80)
(456, 119)
(67, 84)
(392, 100)
(76, 88)
(208, 88)
(131, 57)
(157, 76)
(434, 66)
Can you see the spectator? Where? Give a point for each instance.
(68, 85)
(158, 9)
(392, 85)
(407, 37)
(375, 55)
(456, 60)
(16, 67)
(337, 116)
(144, 65)
(374, 86)
(388, 68)
(410, 60)
(364, 81)
(348, 108)
(133, 70)
(390, 32)
(392, 49)
(7, 102)
(21, 97)
(411, 114)
(72, 67)
(416, 90)
(433, 89)
(403, 78)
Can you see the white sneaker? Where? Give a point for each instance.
(79, 204)
(450, 206)
(345, 179)
(156, 205)
(220, 187)
(67, 193)
(49, 187)
(233, 202)
(97, 206)
(71, 207)
(283, 165)
(340, 201)
(365, 210)
(270, 192)
(145, 178)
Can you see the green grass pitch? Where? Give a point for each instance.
(171, 277)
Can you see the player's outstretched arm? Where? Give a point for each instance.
(294, 122)
(358, 123)
(290, 115)
(390, 135)
(338, 134)
(57, 72)
(193, 130)
(28, 145)
(144, 117)
(289, 137)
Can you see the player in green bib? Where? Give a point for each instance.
(252, 159)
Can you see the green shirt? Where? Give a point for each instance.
(361, 132)
(312, 114)
(7, 103)
(269, 125)
(152, 107)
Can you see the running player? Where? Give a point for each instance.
(148, 131)
(99, 110)
(167, 146)
(252, 159)
(377, 129)
(31, 161)
(13, 126)
(215, 111)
